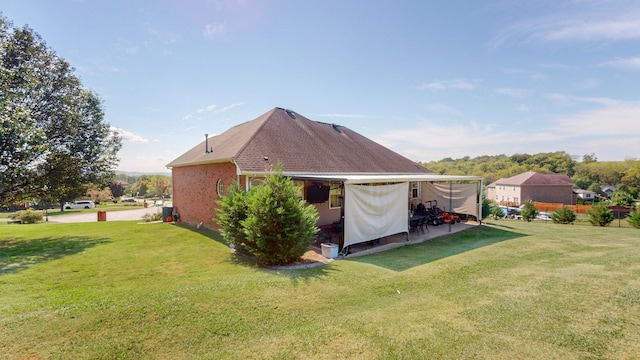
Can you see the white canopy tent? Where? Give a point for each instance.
(377, 205)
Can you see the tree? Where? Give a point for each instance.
(98, 194)
(600, 215)
(270, 222)
(53, 140)
(634, 217)
(281, 225)
(563, 216)
(529, 211)
(117, 189)
(231, 213)
(497, 212)
(622, 197)
(161, 184)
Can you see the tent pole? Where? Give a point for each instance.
(450, 202)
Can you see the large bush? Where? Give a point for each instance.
(529, 211)
(231, 212)
(634, 218)
(28, 216)
(269, 222)
(600, 215)
(497, 212)
(563, 216)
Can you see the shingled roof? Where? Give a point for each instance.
(534, 178)
(302, 146)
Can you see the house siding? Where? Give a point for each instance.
(194, 191)
(562, 194)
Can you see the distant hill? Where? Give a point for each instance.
(140, 173)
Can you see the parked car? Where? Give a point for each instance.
(80, 204)
(128, 200)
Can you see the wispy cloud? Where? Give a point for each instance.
(632, 63)
(210, 108)
(572, 100)
(162, 35)
(598, 22)
(343, 116)
(442, 109)
(229, 107)
(516, 93)
(458, 83)
(215, 30)
(128, 136)
(523, 108)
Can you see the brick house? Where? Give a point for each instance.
(532, 186)
(323, 159)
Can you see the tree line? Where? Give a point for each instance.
(587, 173)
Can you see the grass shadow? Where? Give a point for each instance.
(410, 256)
(19, 254)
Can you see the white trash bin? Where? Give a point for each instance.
(329, 250)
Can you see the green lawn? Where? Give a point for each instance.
(513, 290)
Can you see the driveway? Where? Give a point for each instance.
(121, 215)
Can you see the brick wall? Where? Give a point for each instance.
(194, 191)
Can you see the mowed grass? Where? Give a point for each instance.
(512, 290)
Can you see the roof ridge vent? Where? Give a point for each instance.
(290, 113)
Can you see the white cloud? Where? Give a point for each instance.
(572, 100)
(215, 30)
(227, 108)
(458, 83)
(344, 116)
(516, 93)
(616, 119)
(632, 63)
(442, 109)
(523, 108)
(128, 136)
(599, 21)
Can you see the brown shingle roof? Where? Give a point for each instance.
(301, 145)
(534, 178)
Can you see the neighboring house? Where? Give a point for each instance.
(332, 164)
(531, 186)
(585, 195)
(607, 190)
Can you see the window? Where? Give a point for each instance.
(516, 200)
(415, 193)
(220, 187)
(335, 193)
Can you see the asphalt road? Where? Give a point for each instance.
(121, 215)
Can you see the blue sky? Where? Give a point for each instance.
(428, 79)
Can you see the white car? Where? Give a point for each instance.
(80, 204)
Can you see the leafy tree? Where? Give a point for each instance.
(634, 218)
(98, 194)
(161, 184)
(53, 140)
(497, 212)
(589, 158)
(231, 213)
(486, 207)
(117, 190)
(279, 227)
(563, 216)
(600, 215)
(529, 211)
(622, 197)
